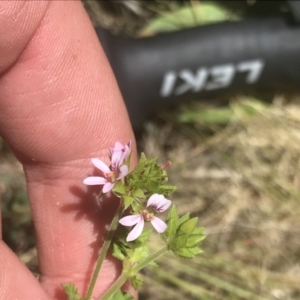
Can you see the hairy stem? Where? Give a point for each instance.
(103, 252)
(123, 277)
(149, 259)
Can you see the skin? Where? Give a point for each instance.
(59, 107)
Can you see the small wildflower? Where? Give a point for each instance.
(122, 150)
(155, 204)
(115, 172)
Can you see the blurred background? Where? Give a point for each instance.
(235, 158)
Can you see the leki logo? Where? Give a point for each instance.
(216, 77)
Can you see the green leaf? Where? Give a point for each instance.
(71, 291)
(148, 178)
(184, 218)
(121, 296)
(127, 201)
(118, 251)
(182, 236)
(188, 226)
(180, 242)
(146, 171)
(136, 207)
(131, 253)
(173, 215)
(172, 222)
(119, 189)
(144, 237)
(168, 187)
(196, 250)
(140, 248)
(136, 282)
(152, 264)
(139, 254)
(138, 193)
(194, 240)
(185, 253)
(199, 231)
(143, 158)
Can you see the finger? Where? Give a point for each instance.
(65, 109)
(16, 281)
(18, 23)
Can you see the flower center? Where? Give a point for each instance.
(148, 216)
(111, 177)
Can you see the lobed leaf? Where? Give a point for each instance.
(71, 291)
(119, 295)
(119, 189)
(136, 282)
(182, 235)
(127, 201)
(188, 226)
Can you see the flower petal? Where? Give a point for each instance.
(159, 225)
(136, 231)
(99, 164)
(123, 172)
(94, 180)
(158, 202)
(118, 146)
(127, 149)
(107, 187)
(155, 199)
(130, 220)
(164, 205)
(117, 158)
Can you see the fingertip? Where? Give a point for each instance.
(16, 281)
(19, 21)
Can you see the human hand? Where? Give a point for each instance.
(59, 107)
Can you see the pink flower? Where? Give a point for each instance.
(122, 150)
(155, 204)
(117, 170)
(111, 175)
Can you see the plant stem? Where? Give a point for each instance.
(114, 287)
(149, 259)
(123, 277)
(103, 252)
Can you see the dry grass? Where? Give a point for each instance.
(243, 183)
